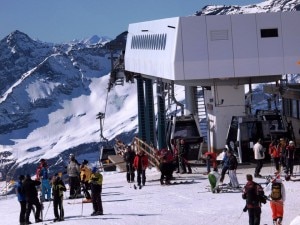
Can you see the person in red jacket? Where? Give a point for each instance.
(210, 158)
(289, 157)
(140, 164)
(275, 154)
(166, 167)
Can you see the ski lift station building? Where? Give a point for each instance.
(219, 52)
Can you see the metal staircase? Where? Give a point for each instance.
(201, 109)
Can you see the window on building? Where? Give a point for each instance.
(268, 33)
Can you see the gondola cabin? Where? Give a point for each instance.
(187, 127)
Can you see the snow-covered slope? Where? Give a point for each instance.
(188, 204)
(50, 95)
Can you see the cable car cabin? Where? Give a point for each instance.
(187, 127)
(107, 164)
(244, 132)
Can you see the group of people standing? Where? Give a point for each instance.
(169, 161)
(282, 155)
(53, 188)
(135, 162)
(175, 160)
(82, 177)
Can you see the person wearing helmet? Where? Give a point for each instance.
(290, 155)
(96, 180)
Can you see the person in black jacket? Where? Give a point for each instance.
(58, 188)
(253, 193)
(182, 157)
(129, 158)
(31, 196)
(21, 199)
(232, 166)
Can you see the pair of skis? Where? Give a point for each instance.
(178, 182)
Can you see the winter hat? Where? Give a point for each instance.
(21, 177)
(85, 162)
(291, 143)
(94, 170)
(72, 156)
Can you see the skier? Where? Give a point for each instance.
(224, 165)
(253, 193)
(232, 166)
(275, 155)
(289, 156)
(210, 158)
(46, 188)
(58, 188)
(85, 174)
(21, 199)
(96, 180)
(276, 191)
(140, 163)
(281, 148)
(175, 145)
(39, 168)
(129, 158)
(182, 157)
(259, 155)
(165, 165)
(214, 179)
(73, 173)
(31, 195)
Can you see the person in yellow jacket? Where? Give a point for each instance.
(96, 188)
(58, 188)
(85, 175)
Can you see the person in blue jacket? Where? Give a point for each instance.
(21, 199)
(46, 187)
(225, 165)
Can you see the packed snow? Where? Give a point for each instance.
(190, 203)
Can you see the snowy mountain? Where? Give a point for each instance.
(50, 95)
(95, 39)
(263, 7)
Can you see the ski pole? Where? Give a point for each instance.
(82, 207)
(240, 215)
(47, 210)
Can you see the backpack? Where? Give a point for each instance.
(276, 191)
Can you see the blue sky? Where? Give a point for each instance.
(65, 20)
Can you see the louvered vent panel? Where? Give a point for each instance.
(217, 35)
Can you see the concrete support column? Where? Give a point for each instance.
(141, 108)
(190, 100)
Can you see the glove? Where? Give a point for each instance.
(245, 209)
